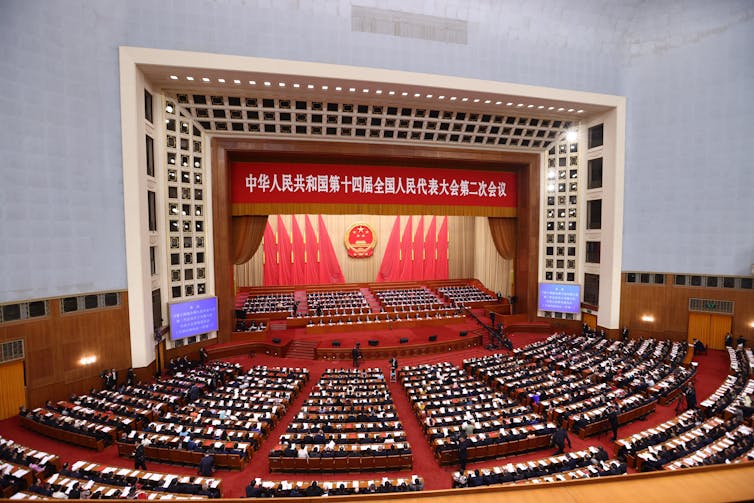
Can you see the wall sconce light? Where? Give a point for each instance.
(751, 324)
(88, 360)
(648, 318)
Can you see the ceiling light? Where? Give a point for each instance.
(365, 90)
(476, 100)
(253, 82)
(520, 105)
(442, 97)
(488, 101)
(529, 106)
(551, 187)
(464, 99)
(452, 98)
(510, 103)
(429, 96)
(572, 136)
(196, 164)
(205, 79)
(169, 109)
(236, 81)
(189, 78)
(570, 109)
(352, 89)
(579, 111)
(338, 88)
(551, 174)
(174, 77)
(416, 95)
(268, 83)
(550, 108)
(391, 93)
(310, 86)
(296, 85)
(281, 84)
(404, 93)
(561, 109)
(540, 107)
(222, 81)
(325, 88)
(378, 91)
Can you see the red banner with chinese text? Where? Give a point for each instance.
(260, 182)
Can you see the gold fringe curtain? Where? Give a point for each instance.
(504, 236)
(247, 234)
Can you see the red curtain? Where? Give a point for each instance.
(284, 253)
(406, 248)
(430, 250)
(312, 254)
(299, 254)
(391, 260)
(329, 268)
(441, 269)
(418, 251)
(271, 273)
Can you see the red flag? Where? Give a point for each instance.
(284, 254)
(329, 268)
(391, 259)
(271, 275)
(441, 269)
(430, 250)
(312, 254)
(418, 252)
(299, 254)
(407, 267)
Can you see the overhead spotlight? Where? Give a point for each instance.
(378, 91)
(174, 77)
(222, 81)
(453, 98)
(281, 84)
(365, 90)
(520, 105)
(325, 88)
(338, 88)
(391, 93)
(529, 106)
(551, 174)
(579, 111)
(236, 81)
(310, 86)
(488, 101)
(296, 85)
(267, 83)
(189, 78)
(572, 136)
(352, 89)
(510, 103)
(205, 79)
(416, 95)
(551, 187)
(550, 108)
(404, 93)
(253, 82)
(476, 100)
(169, 108)
(561, 109)
(441, 97)
(540, 107)
(464, 99)
(570, 109)
(429, 96)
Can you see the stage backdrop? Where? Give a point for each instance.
(471, 251)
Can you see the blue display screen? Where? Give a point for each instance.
(193, 318)
(559, 298)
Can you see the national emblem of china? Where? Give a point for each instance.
(360, 240)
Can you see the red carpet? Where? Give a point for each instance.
(713, 368)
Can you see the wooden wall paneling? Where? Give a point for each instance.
(719, 325)
(53, 346)
(221, 235)
(12, 388)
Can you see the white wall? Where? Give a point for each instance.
(689, 156)
(61, 204)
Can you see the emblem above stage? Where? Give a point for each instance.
(360, 240)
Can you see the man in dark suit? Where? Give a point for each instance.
(207, 465)
(252, 490)
(690, 396)
(463, 452)
(612, 418)
(356, 354)
(139, 457)
(559, 438)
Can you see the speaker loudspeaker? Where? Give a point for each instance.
(463, 333)
(432, 338)
(404, 340)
